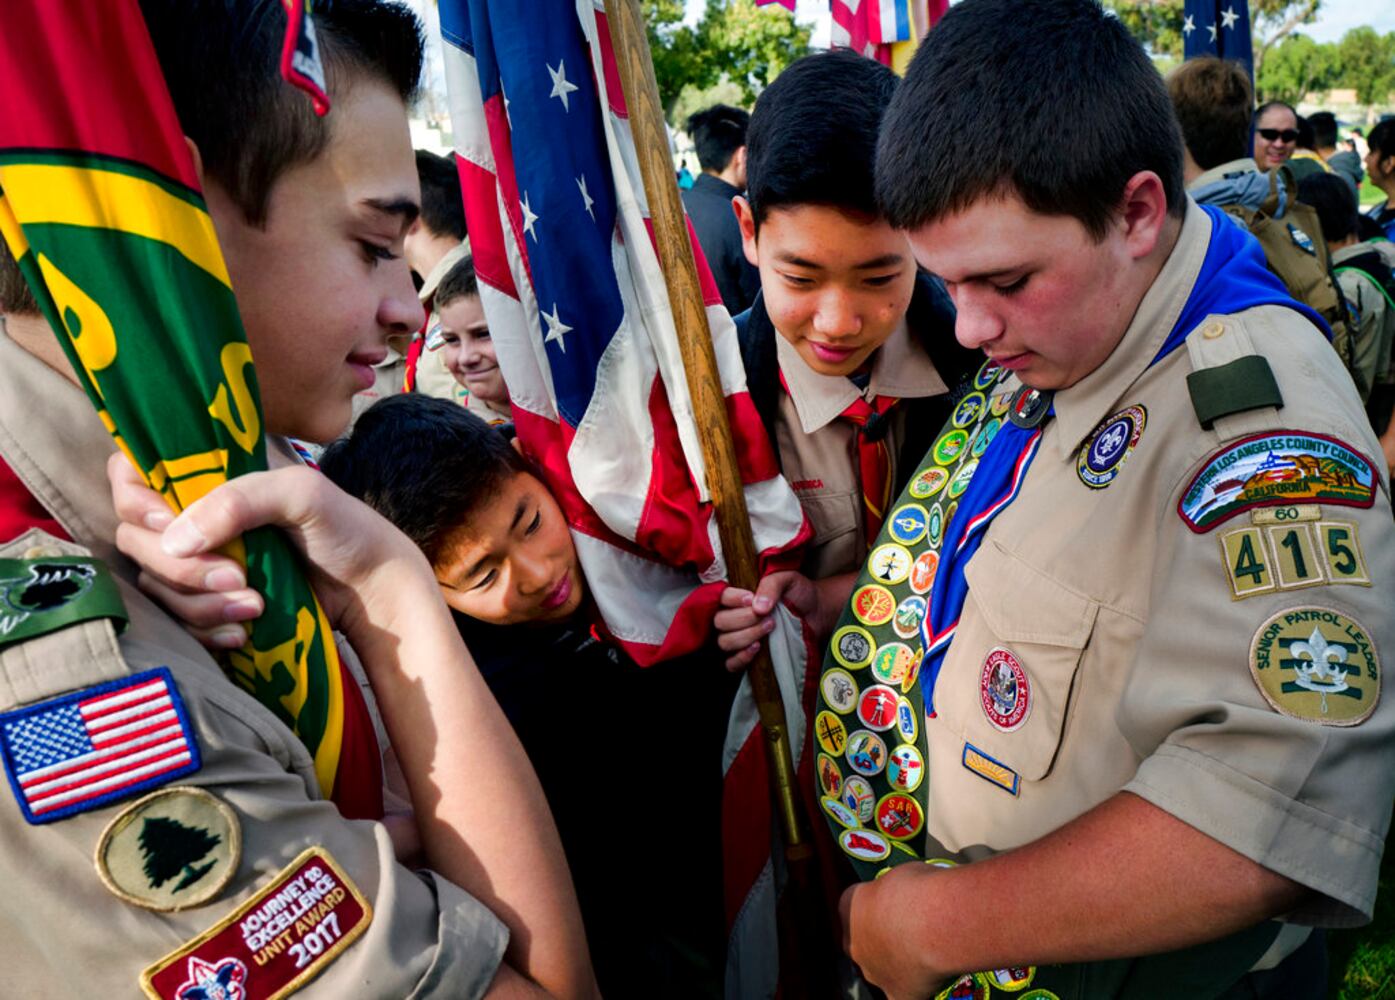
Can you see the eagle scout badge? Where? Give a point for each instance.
(1318, 665)
(928, 483)
(853, 647)
(866, 753)
(908, 523)
(1104, 454)
(1005, 692)
(839, 691)
(858, 797)
(99, 745)
(271, 945)
(172, 850)
(873, 604)
(1279, 468)
(865, 845)
(899, 816)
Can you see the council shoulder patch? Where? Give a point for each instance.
(1317, 664)
(274, 943)
(172, 850)
(99, 745)
(1277, 468)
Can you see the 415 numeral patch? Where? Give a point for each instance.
(1290, 554)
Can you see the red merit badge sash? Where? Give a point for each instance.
(274, 943)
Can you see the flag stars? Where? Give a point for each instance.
(1189, 25)
(555, 329)
(586, 198)
(1212, 29)
(529, 217)
(560, 87)
(1229, 17)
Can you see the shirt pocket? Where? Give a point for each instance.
(831, 515)
(1043, 628)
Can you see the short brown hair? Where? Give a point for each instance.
(15, 296)
(1213, 100)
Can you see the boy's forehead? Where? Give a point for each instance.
(799, 234)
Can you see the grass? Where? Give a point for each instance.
(1370, 194)
(1362, 962)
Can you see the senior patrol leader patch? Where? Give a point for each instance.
(1273, 469)
(102, 744)
(274, 943)
(1104, 454)
(1318, 665)
(172, 850)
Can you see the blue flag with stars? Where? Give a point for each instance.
(1218, 28)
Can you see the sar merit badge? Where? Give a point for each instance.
(1103, 455)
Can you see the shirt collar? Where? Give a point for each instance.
(1080, 408)
(1225, 171)
(705, 181)
(899, 369)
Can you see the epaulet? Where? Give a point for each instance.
(1229, 376)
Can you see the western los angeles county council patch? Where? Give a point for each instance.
(1006, 693)
(1275, 469)
(1104, 454)
(853, 647)
(172, 850)
(1318, 665)
(274, 943)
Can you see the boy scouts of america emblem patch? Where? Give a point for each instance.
(1005, 691)
(1109, 446)
(1318, 665)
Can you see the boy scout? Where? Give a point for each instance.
(1158, 725)
(228, 874)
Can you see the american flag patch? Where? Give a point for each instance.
(97, 745)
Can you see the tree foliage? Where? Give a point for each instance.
(1158, 23)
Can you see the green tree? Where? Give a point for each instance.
(673, 47)
(170, 847)
(1158, 23)
(1297, 67)
(1367, 61)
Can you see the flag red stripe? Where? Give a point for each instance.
(486, 231)
(615, 93)
(174, 763)
(149, 738)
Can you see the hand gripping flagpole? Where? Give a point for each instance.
(709, 404)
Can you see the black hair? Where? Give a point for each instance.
(426, 464)
(1052, 99)
(718, 132)
(1268, 105)
(442, 205)
(15, 295)
(458, 282)
(813, 134)
(221, 61)
(1331, 197)
(1212, 98)
(1324, 125)
(1382, 138)
(1305, 135)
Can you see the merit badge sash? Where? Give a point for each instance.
(100, 205)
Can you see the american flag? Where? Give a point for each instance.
(97, 745)
(579, 315)
(1218, 28)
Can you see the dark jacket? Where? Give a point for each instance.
(709, 206)
(930, 322)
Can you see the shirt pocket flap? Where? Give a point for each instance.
(831, 515)
(1020, 603)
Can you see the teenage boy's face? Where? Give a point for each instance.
(836, 284)
(323, 283)
(514, 561)
(469, 351)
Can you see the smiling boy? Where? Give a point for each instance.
(461, 334)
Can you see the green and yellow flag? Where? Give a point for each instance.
(100, 205)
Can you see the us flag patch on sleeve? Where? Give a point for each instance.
(98, 745)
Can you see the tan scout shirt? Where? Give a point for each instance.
(62, 931)
(1136, 652)
(1374, 319)
(818, 451)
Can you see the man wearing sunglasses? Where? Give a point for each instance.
(1276, 134)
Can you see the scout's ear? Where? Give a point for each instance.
(1143, 213)
(747, 221)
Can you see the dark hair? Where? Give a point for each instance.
(1367, 228)
(1052, 99)
(1382, 138)
(813, 134)
(718, 132)
(1269, 105)
(425, 464)
(1331, 197)
(15, 296)
(459, 281)
(221, 61)
(1324, 125)
(442, 205)
(1305, 134)
(1212, 99)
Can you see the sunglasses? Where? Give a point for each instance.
(1273, 134)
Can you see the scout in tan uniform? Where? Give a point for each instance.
(460, 333)
(430, 375)
(210, 864)
(1150, 653)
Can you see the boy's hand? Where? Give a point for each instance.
(877, 946)
(747, 618)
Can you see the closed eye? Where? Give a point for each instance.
(1013, 288)
(374, 253)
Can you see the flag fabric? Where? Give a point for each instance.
(885, 30)
(579, 315)
(101, 207)
(98, 745)
(1218, 28)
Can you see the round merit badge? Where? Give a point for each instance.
(873, 605)
(866, 753)
(830, 777)
(960, 482)
(858, 797)
(936, 528)
(968, 987)
(170, 850)
(865, 845)
(891, 662)
(1318, 665)
(923, 572)
(899, 816)
(909, 613)
(928, 483)
(839, 813)
(907, 523)
(839, 690)
(889, 564)
(985, 437)
(970, 408)
(1005, 690)
(998, 405)
(906, 726)
(876, 709)
(987, 375)
(913, 671)
(831, 733)
(1017, 977)
(853, 647)
(905, 768)
(1103, 455)
(950, 446)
